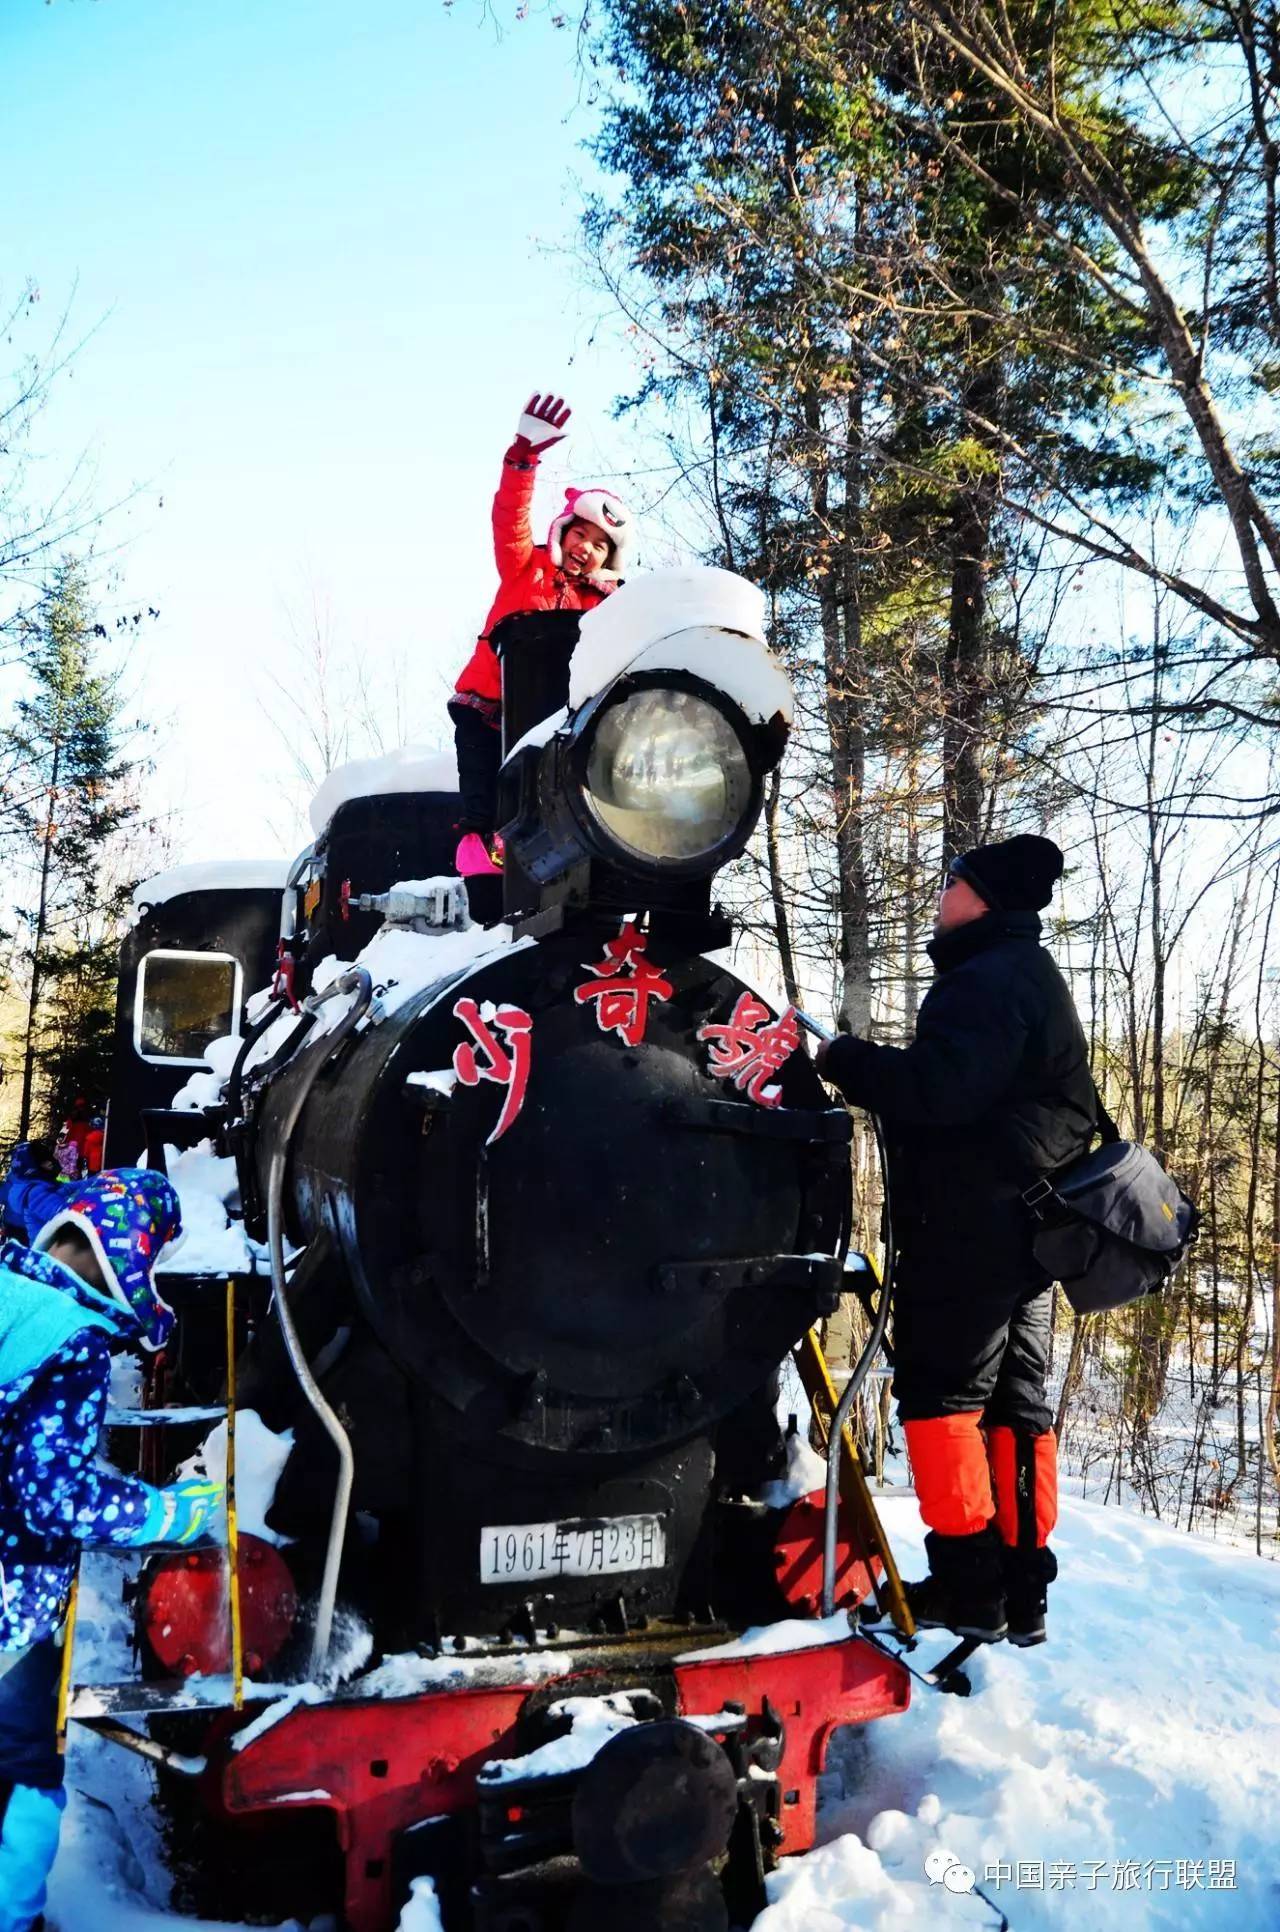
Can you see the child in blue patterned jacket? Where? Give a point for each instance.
(82, 1289)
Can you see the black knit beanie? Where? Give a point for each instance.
(1017, 875)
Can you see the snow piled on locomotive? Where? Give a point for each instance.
(700, 620)
(408, 768)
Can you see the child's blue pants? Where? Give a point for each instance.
(31, 1795)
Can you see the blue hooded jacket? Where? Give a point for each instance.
(55, 1370)
(27, 1199)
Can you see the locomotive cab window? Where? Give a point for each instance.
(184, 1000)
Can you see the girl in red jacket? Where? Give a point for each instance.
(576, 568)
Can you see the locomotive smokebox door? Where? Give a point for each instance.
(581, 1268)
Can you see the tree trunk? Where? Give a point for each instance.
(966, 668)
(963, 687)
(840, 612)
(777, 887)
(1071, 1375)
(911, 900)
(37, 947)
(849, 765)
(1272, 1430)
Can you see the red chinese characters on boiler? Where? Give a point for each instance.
(750, 1046)
(505, 1061)
(625, 984)
(747, 1049)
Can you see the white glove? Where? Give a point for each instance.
(542, 423)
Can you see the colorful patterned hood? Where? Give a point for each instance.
(128, 1215)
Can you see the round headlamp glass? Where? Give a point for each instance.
(667, 775)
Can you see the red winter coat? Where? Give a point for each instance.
(93, 1150)
(527, 578)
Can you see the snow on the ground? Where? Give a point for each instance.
(1147, 1731)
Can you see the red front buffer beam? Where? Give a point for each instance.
(814, 1691)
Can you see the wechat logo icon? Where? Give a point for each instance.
(940, 1868)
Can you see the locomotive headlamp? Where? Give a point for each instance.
(652, 777)
(668, 777)
(660, 777)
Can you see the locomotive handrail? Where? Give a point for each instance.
(356, 980)
(853, 1387)
(276, 1002)
(288, 904)
(831, 1127)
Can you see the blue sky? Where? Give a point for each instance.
(326, 247)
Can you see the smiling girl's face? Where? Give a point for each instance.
(585, 548)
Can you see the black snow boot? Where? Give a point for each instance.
(964, 1590)
(1027, 1576)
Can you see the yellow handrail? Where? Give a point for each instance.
(233, 1535)
(68, 1646)
(862, 1520)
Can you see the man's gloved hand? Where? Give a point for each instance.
(182, 1512)
(541, 424)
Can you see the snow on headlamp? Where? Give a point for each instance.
(652, 779)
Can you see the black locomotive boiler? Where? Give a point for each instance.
(547, 1201)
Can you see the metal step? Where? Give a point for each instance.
(161, 1418)
(136, 1699)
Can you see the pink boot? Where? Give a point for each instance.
(472, 858)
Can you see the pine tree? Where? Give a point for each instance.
(894, 350)
(70, 798)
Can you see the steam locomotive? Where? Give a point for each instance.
(539, 1194)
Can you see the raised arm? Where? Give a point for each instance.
(541, 424)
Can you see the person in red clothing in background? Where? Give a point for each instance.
(575, 569)
(77, 1123)
(93, 1145)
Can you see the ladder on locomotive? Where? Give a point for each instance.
(97, 1706)
(859, 1517)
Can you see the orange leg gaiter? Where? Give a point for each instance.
(953, 1481)
(1024, 1477)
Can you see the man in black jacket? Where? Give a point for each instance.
(994, 1090)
